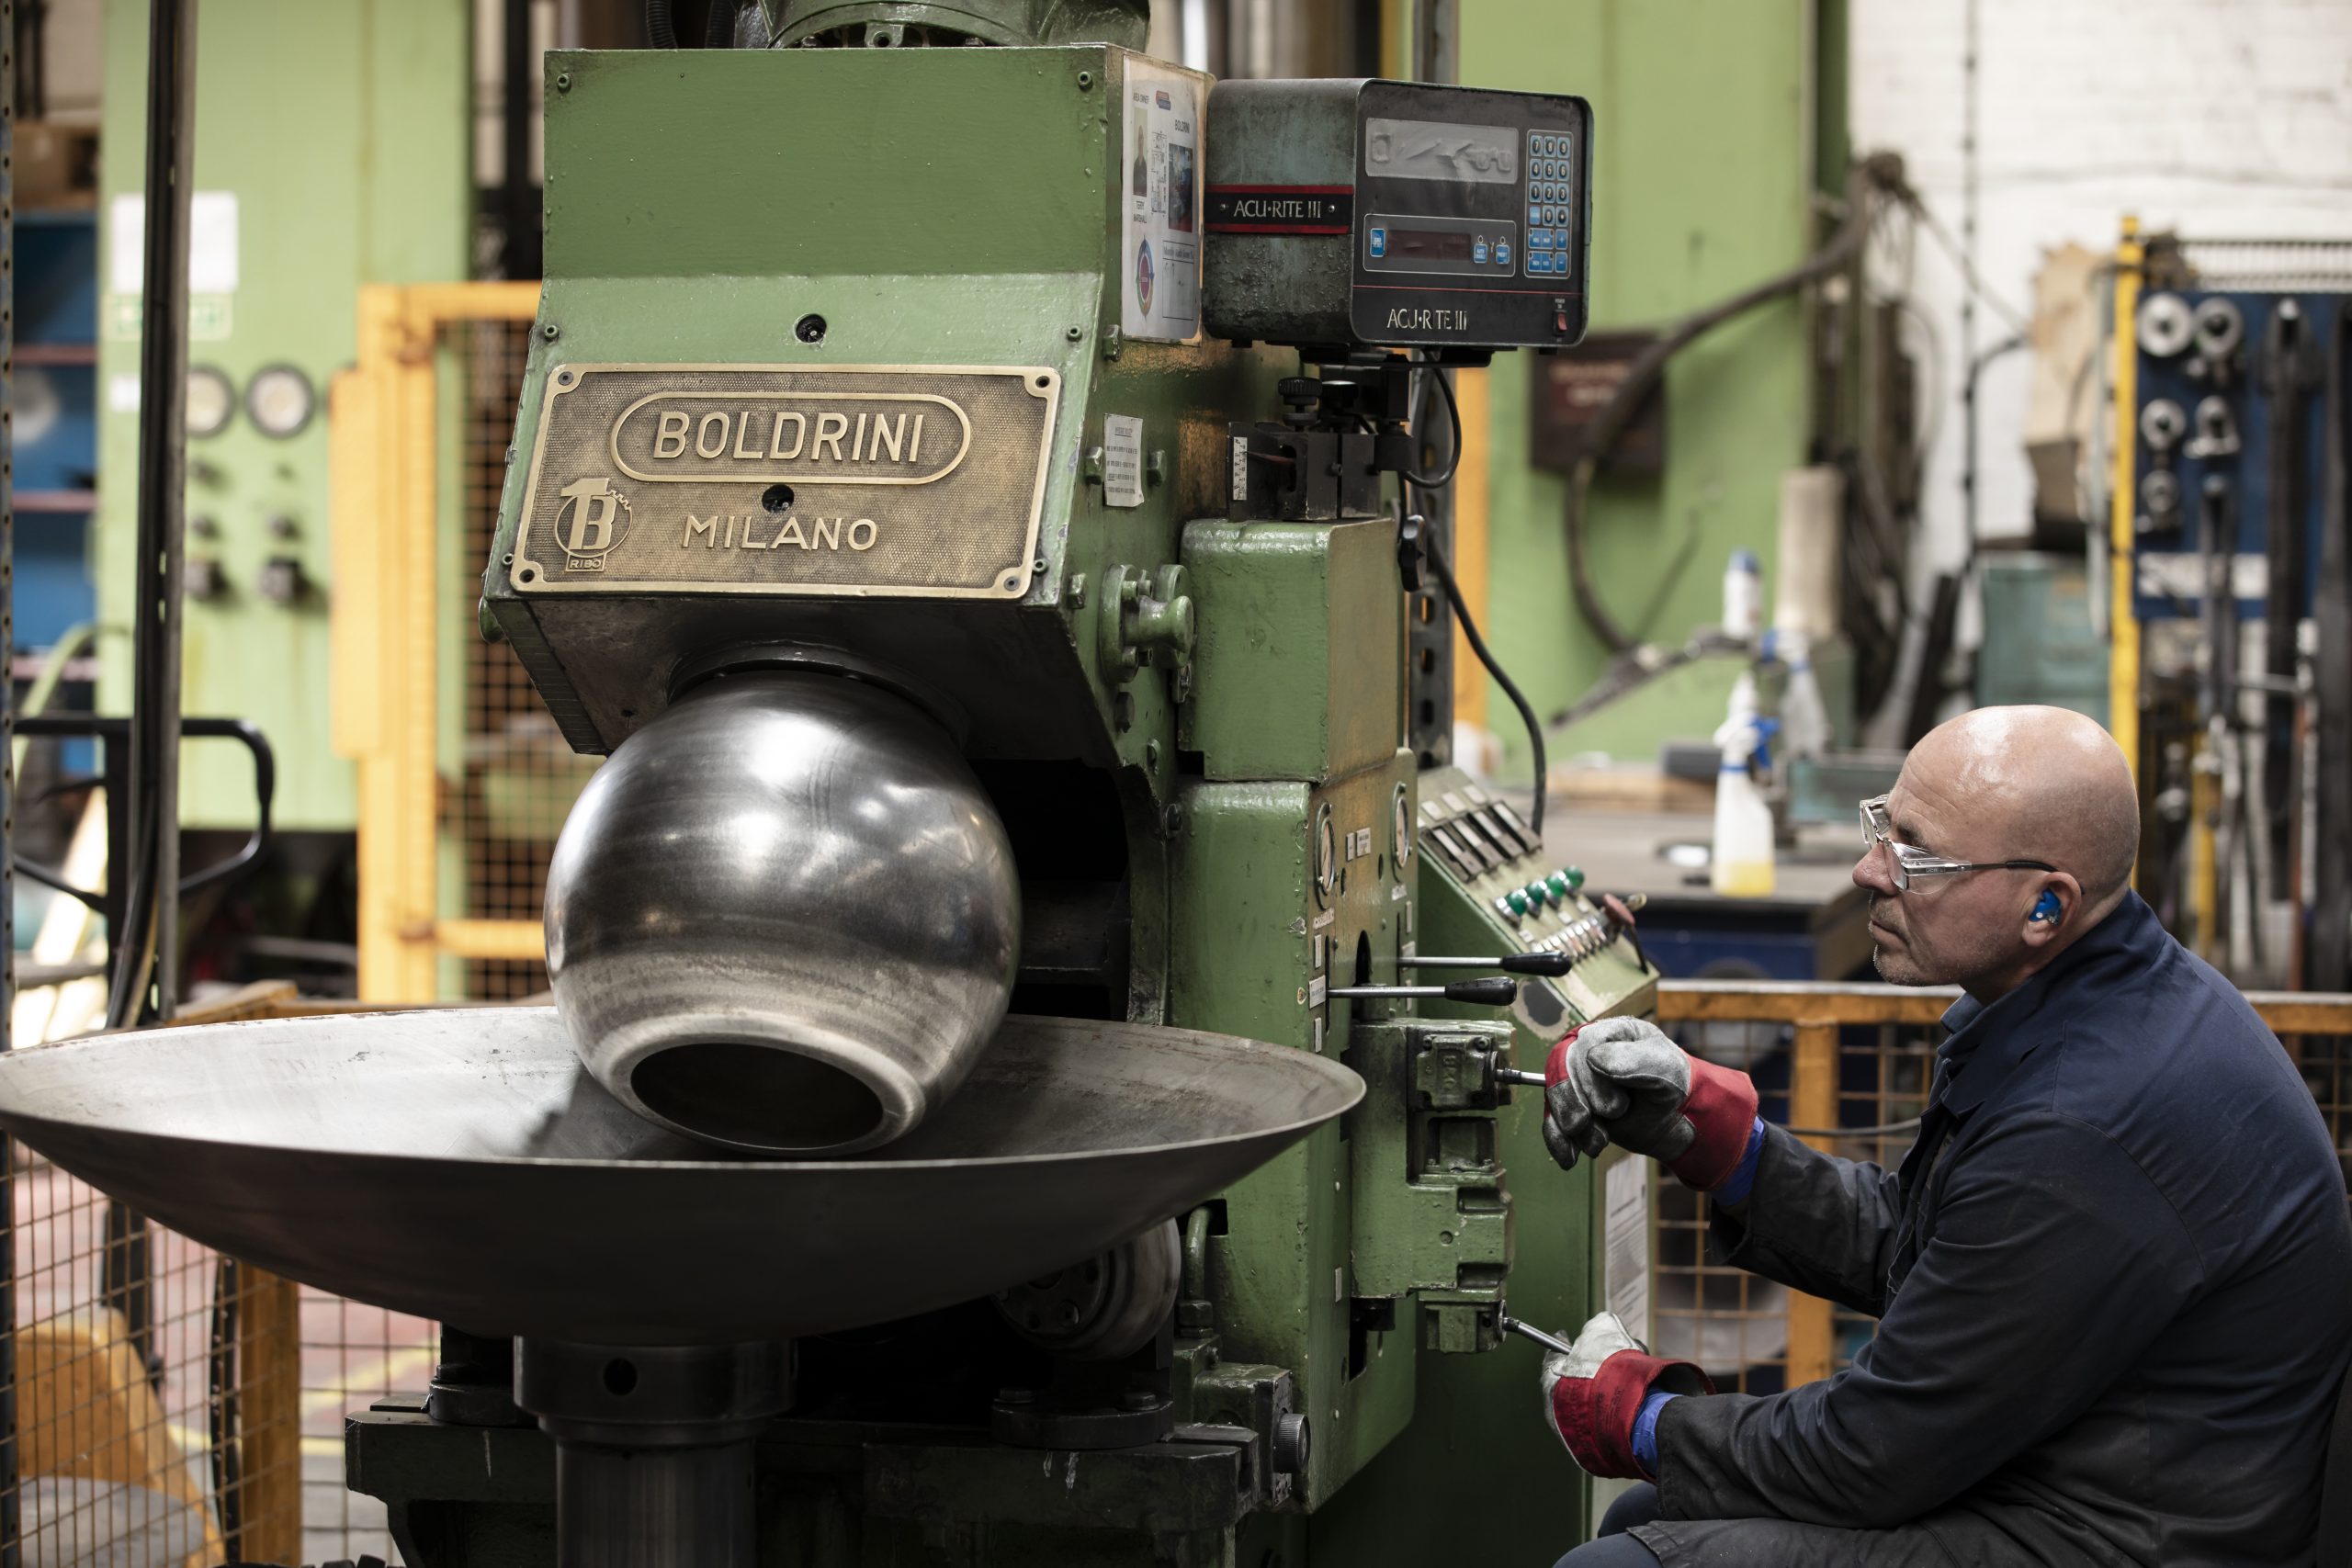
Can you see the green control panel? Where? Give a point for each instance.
(1532, 902)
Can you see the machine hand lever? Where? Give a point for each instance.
(1495, 990)
(1549, 1341)
(1551, 964)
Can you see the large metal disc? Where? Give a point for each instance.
(461, 1165)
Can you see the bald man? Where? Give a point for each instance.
(2113, 1277)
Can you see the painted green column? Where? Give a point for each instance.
(1703, 168)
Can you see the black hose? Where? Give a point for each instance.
(1453, 462)
(661, 28)
(1882, 174)
(718, 26)
(1444, 570)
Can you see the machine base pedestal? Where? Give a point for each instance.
(654, 1447)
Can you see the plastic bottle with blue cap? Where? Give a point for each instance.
(1743, 596)
(1741, 865)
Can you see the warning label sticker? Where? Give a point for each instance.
(1159, 174)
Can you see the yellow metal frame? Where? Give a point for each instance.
(1817, 1011)
(384, 440)
(2122, 626)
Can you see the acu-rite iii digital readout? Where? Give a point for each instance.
(1397, 214)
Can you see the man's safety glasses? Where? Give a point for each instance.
(1877, 830)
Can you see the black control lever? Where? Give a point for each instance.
(1550, 965)
(1495, 990)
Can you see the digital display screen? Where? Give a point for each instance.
(1430, 244)
(1435, 150)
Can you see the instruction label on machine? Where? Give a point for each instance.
(1122, 460)
(908, 481)
(1625, 1244)
(1159, 174)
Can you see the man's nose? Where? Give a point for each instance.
(1870, 873)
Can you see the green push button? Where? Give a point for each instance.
(1539, 895)
(1517, 901)
(1575, 876)
(1560, 885)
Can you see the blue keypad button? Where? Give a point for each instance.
(1534, 216)
(1559, 238)
(1539, 240)
(1478, 251)
(1502, 253)
(1380, 241)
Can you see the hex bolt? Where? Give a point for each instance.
(551, 332)
(1075, 333)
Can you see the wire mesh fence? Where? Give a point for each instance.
(517, 777)
(154, 1423)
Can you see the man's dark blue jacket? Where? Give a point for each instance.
(2114, 1286)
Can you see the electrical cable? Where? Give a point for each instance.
(1879, 174)
(1969, 276)
(719, 25)
(1453, 462)
(146, 937)
(1444, 570)
(661, 28)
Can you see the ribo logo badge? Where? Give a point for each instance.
(591, 520)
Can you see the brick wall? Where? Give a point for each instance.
(2221, 118)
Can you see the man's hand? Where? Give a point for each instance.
(1622, 1081)
(1592, 1394)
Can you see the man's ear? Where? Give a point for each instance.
(2053, 906)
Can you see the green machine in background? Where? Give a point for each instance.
(926, 365)
(333, 149)
(1725, 161)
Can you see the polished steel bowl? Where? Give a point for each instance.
(784, 917)
(460, 1164)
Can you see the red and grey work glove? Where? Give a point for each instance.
(1622, 1081)
(1592, 1394)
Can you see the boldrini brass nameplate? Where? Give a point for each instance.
(920, 482)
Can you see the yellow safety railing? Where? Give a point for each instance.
(2315, 1028)
(2123, 486)
(390, 440)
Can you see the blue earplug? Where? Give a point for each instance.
(2047, 908)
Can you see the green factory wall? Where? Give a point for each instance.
(344, 131)
(1707, 133)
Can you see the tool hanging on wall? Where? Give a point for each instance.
(2288, 370)
(2329, 952)
(2223, 758)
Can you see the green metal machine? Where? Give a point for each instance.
(925, 358)
(352, 168)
